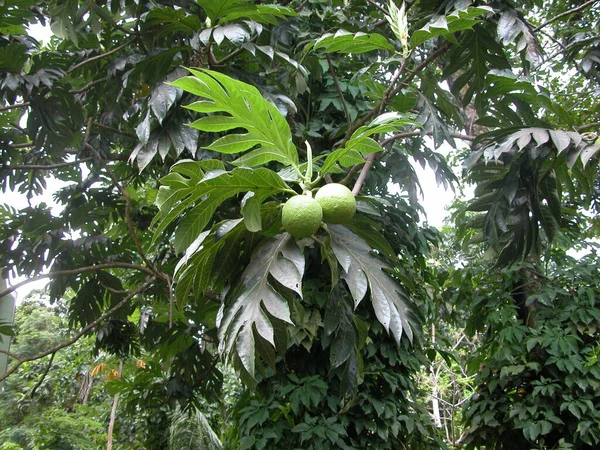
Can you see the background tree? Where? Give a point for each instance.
(283, 98)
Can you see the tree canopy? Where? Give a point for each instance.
(178, 129)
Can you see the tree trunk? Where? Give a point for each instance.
(113, 414)
(7, 317)
(435, 403)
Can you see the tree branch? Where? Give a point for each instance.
(130, 226)
(87, 86)
(394, 137)
(338, 88)
(587, 126)
(381, 105)
(15, 106)
(60, 273)
(390, 89)
(23, 145)
(370, 160)
(566, 13)
(46, 166)
(39, 383)
(413, 73)
(114, 130)
(78, 335)
(102, 55)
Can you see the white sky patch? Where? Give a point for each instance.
(40, 32)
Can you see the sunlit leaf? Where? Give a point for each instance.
(267, 131)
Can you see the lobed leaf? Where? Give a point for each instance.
(345, 42)
(187, 186)
(268, 134)
(360, 143)
(259, 302)
(447, 25)
(362, 269)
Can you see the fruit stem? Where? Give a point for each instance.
(309, 164)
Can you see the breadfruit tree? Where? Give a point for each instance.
(197, 144)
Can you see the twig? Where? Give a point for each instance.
(46, 166)
(352, 171)
(388, 92)
(338, 88)
(103, 55)
(413, 73)
(60, 273)
(23, 145)
(130, 226)
(402, 84)
(39, 383)
(87, 86)
(15, 106)
(566, 13)
(114, 130)
(378, 6)
(78, 335)
(588, 126)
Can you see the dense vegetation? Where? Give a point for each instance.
(180, 313)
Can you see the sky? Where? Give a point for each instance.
(435, 198)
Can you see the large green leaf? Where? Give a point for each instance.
(470, 62)
(211, 261)
(219, 255)
(361, 270)
(267, 136)
(361, 144)
(225, 11)
(258, 302)
(345, 42)
(446, 26)
(187, 186)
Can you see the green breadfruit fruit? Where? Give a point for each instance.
(337, 201)
(301, 216)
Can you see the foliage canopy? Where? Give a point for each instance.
(179, 129)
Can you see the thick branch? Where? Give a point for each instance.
(78, 335)
(103, 55)
(566, 13)
(370, 160)
(60, 273)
